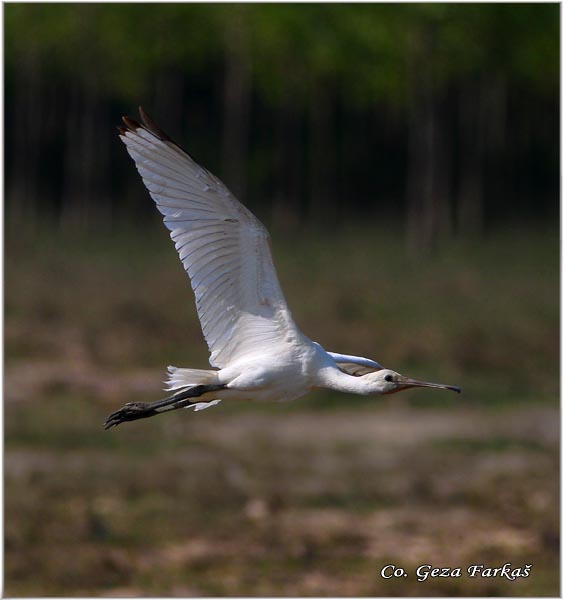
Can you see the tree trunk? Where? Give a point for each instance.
(23, 201)
(287, 207)
(169, 97)
(86, 161)
(471, 192)
(322, 157)
(236, 105)
(428, 185)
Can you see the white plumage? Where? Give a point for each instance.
(222, 246)
(254, 344)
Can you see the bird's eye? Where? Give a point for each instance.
(389, 378)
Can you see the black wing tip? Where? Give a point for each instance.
(131, 124)
(151, 126)
(147, 123)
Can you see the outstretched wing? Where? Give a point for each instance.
(224, 248)
(355, 365)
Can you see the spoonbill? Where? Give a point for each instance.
(256, 349)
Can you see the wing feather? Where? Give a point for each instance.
(355, 370)
(223, 247)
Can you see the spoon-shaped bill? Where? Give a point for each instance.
(408, 382)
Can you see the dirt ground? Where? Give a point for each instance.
(311, 498)
(283, 502)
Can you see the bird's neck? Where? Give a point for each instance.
(334, 379)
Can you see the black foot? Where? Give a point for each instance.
(140, 410)
(130, 412)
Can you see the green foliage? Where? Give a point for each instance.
(349, 107)
(362, 46)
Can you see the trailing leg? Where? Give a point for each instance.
(141, 410)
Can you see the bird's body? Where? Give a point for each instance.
(284, 376)
(295, 369)
(256, 349)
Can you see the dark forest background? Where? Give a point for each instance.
(445, 117)
(405, 158)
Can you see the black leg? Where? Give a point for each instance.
(141, 410)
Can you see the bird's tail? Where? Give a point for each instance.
(184, 379)
(179, 379)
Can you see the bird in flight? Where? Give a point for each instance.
(256, 350)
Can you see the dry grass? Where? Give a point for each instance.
(311, 498)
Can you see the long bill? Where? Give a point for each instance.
(408, 382)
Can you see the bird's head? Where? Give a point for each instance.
(386, 381)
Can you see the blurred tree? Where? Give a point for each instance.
(443, 115)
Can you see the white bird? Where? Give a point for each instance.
(257, 350)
